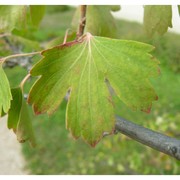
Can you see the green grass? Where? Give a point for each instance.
(58, 153)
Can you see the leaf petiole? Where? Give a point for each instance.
(66, 35)
(5, 34)
(24, 80)
(18, 55)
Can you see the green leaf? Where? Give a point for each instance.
(157, 18)
(84, 67)
(19, 118)
(15, 110)
(115, 7)
(20, 17)
(2, 114)
(37, 13)
(179, 9)
(11, 16)
(99, 21)
(27, 44)
(5, 92)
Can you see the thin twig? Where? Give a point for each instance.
(65, 37)
(82, 21)
(24, 80)
(155, 140)
(19, 55)
(5, 34)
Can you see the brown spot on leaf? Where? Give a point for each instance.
(94, 143)
(156, 98)
(22, 141)
(36, 111)
(148, 110)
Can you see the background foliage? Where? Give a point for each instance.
(58, 153)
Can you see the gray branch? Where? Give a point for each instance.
(155, 140)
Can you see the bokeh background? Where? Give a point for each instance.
(58, 153)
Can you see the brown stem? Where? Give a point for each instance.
(82, 21)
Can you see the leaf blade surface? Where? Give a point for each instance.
(19, 118)
(83, 68)
(5, 92)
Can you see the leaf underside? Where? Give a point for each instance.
(5, 92)
(19, 119)
(157, 18)
(83, 68)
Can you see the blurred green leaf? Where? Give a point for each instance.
(12, 16)
(27, 45)
(2, 114)
(16, 16)
(157, 18)
(19, 119)
(179, 9)
(99, 21)
(5, 92)
(37, 13)
(115, 7)
(53, 9)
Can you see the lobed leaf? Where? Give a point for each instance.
(19, 118)
(5, 92)
(99, 20)
(83, 68)
(157, 18)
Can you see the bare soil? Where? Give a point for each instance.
(11, 158)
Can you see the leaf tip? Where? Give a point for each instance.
(36, 110)
(94, 143)
(148, 110)
(156, 98)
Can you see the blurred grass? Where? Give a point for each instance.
(58, 153)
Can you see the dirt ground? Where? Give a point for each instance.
(11, 159)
